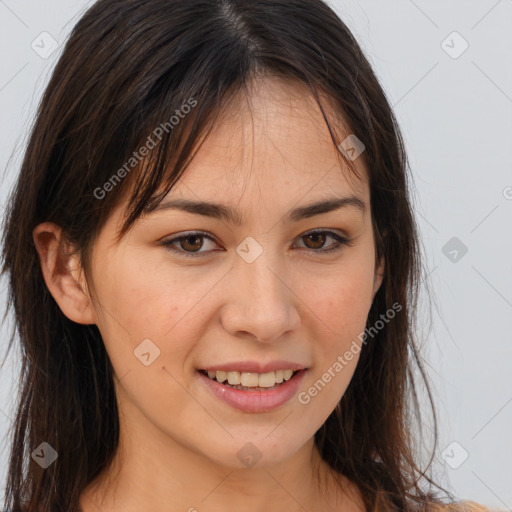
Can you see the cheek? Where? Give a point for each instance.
(340, 299)
(147, 317)
(144, 301)
(150, 296)
(339, 305)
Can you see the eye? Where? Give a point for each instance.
(191, 243)
(318, 238)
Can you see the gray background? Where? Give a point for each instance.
(455, 110)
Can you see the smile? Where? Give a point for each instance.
(250, 380)
(246, 392)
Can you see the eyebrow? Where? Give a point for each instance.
(219, 211)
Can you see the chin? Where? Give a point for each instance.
(254, 451)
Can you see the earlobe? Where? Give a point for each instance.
(63, 273)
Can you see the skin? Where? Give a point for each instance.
(179, 444)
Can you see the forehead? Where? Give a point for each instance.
(272, 143)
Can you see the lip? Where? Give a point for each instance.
(255, 401)
(255, 367)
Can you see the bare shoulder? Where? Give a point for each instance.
(461, 506)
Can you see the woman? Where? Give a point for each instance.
(213, 268)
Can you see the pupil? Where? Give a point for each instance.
(193, 237)
(315, 235)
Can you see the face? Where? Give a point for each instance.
(185, 292)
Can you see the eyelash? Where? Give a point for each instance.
(340, 242)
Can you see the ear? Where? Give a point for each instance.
(379, 276)
(63, 274)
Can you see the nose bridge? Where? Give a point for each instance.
(262, 279)
(262, 304)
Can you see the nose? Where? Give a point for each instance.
(261, 304)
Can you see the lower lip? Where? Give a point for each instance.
(255, 401)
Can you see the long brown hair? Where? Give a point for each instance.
(127, 68)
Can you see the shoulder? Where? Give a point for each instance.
(459, 506)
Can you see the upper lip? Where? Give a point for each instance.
(254, 366)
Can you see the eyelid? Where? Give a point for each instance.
(341, 241)
(168, 243)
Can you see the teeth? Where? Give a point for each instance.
(249, 379)
(221, 376)
(234, 378)
(287, 374)
(252, 380)
(267, 380)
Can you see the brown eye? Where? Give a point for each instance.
(191, 243)
(315, 241)
(318, 240)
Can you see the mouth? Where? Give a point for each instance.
(250, 381)
(252, 392)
